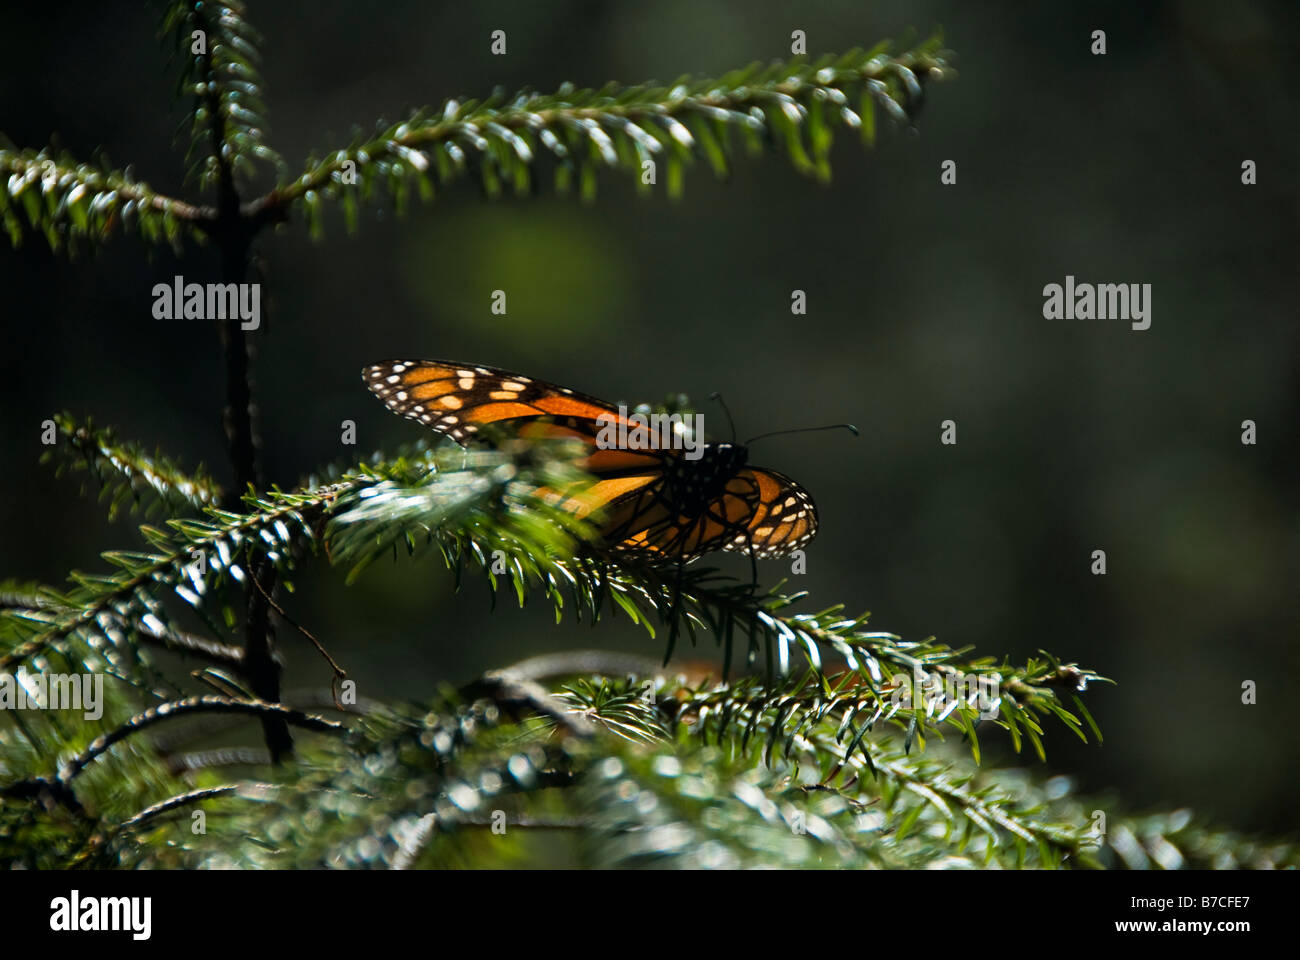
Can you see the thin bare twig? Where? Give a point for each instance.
(339, 673)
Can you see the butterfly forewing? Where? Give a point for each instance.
(457, 399)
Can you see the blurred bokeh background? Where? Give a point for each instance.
(925, 303)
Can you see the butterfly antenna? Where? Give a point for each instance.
(727, 411)
(830, 426)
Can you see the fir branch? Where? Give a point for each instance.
(70, 203)
(484, 513)
(1179, 840)
(860, 769)
(195, 557)
(797, 105)
(928, 810)
(193, 560)
(500, 140)
(403, 768)
(125, 471)
(798, 646)
(712, 810)
(938, 685)
(624, 711)
(228, 123)
(408, 786)
(40, 607)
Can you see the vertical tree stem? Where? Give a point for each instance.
(234, 235)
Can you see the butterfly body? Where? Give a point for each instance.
(698, 482)
(654, 502)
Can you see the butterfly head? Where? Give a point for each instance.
(725, 457)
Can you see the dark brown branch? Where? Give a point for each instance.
(100, 840)
(180, 800)
(193, 705)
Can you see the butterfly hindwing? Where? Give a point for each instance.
(760, 512)
(782, 519)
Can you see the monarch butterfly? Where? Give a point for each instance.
(655, 502)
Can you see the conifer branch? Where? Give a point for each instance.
(44, 606)
(797, 105)
(500, 141)
(71, 203)
(228, 123)
(482, 516)
(194, 558)
(125, 471)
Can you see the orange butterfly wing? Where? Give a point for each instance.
(760, 512)
(783, 517)
(456, 399)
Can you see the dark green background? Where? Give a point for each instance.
(925, 303)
